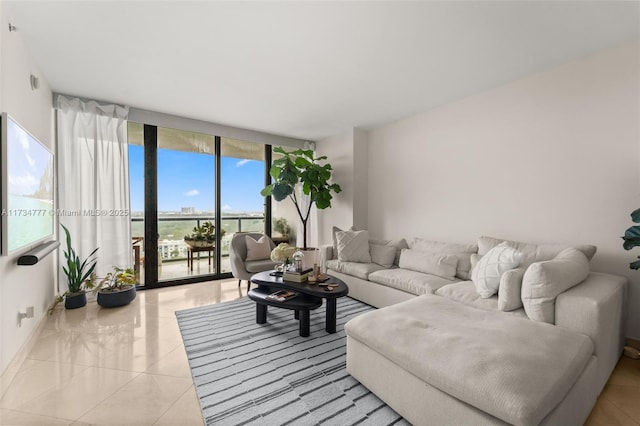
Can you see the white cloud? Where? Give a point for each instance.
(192, 193)
(226, 207)
(23, 139)
(242, 162)
(23, 185)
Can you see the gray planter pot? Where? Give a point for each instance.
(113, 299)
(74, 301)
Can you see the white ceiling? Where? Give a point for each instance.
(306, 69)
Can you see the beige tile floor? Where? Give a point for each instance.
(127, 366)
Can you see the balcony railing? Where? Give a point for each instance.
(171, 232)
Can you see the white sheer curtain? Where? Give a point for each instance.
(93, 180)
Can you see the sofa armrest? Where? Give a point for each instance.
(597, 307)
(326, 253)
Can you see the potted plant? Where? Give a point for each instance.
(299, 171)
(117, 288)
(281, 226)
(78, 274)
(632, 237)
(203, 236)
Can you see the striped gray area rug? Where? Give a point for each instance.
(248, 373)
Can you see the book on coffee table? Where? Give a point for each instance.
(298, 277)
(282, 295)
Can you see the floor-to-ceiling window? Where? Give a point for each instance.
(200, 180)
(242, 177)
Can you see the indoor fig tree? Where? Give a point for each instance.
(299, 172)
(632, 237)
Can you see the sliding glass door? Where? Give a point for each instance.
(242, 177)
(183, 180)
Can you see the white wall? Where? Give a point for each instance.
(347, 154)
(22, 286)
(550, 158)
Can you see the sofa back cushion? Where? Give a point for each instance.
(532, 252)
(441, 265)
(398, 244)
(383, 255)
(544, 281)
(461, 251)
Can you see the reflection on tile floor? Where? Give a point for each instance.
(89, 363)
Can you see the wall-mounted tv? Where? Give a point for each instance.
(27, 188)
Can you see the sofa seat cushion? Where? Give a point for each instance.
(260, 265)
(465, 292)
(356, 269)
(410, 281)
(515, 369)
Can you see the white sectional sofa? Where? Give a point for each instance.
(439, 353)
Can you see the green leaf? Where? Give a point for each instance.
(631, 238)
(267, 190)
(635, 216)
(275, 172)
(302, 163)
(281, 191)
(635, 265)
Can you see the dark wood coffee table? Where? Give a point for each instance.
(309, 297)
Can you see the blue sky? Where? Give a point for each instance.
(28, 161)
(187, 179)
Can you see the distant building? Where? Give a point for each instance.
(188, 210)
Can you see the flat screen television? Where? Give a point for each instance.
(27, 183)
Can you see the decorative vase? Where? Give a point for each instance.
(75, 300)
(113, 299)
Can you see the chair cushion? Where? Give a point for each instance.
(410, 281)
(356, 269)
(260, 265)
(258, 250)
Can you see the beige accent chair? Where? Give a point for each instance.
(240, 268)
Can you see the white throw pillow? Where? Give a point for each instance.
(353, 246)
(258, 250)
(383, 255)
(441, 265)
(509, 293)
(486, 274)
(544, 281)
(334, 239)
(461, 251)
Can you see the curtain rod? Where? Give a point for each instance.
(192, 125)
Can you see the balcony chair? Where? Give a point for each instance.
(242, 269)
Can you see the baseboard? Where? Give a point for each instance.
(634, 343)
(14, 366)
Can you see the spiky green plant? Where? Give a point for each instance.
(77, 271)
(300, 167)
(632, 237)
